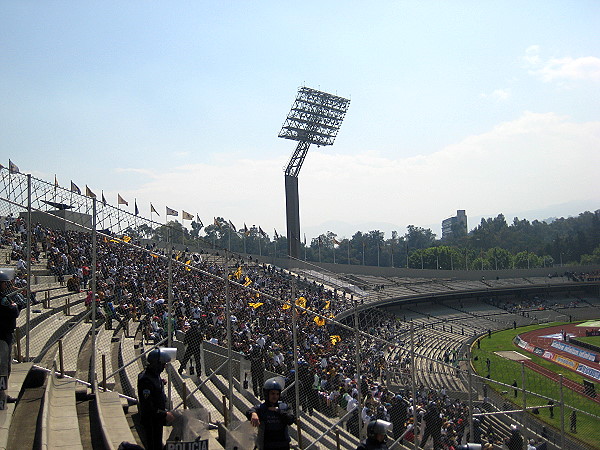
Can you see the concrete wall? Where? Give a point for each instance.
(428, 273)
(64, 220)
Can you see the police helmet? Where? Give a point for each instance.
(160, 356)
(272, 384)
(378, 426)
(7, 274)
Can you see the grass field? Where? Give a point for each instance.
(594, 340)
(507, 372)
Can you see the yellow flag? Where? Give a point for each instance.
(286, 305)
(255, 305)
(238, 273)
(319, 321)
(301, 302)
(335, 339)
(248, 282)
(327, 303)
(154, 255)
(257, 295)
(127, 238)
(187, 263)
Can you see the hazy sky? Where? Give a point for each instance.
(485, 106)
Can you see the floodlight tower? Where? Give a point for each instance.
(315, 118)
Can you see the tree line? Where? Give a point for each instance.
(493, 244)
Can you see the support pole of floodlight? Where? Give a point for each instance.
(315, 118)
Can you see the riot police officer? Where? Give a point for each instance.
(272, 417)
(9, 311)
(193, 342)
(376, 435)
(152, 399)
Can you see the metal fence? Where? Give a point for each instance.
(99, 295)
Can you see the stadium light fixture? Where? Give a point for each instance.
(315, 118)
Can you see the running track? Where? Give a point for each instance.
(536, 338)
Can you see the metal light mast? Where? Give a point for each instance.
(315, 118)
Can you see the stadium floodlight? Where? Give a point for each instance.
(315, 118)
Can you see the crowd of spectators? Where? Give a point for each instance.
(133, 282)
(583, 276)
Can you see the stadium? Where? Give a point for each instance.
(499, 354)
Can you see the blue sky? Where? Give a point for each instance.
(485, 106)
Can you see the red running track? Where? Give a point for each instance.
(569, 384)
(537, 338)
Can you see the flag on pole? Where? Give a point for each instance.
(262, 233)
(246, 230)
(121, 200)
(327, 304)
(336, 242)
(12, 167)
(232, 226)
(305, 239)
(247, 282)
(103, 199)
(335, 339)
(74, 188)
(186, 215)
(55, 183)
(171, 212)
(152, 210)
(199, 221)
(276, 235)
(137, 211)
(89, 193)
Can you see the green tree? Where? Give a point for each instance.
(593, 258)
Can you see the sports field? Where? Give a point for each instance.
(541, 377)
(594, 340)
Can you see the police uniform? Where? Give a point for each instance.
(372, 444)
(152, 407)
(9, 312)
(273, 430)
(193, 341)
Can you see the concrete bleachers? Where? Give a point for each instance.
(104, 349)
(53, 326)
(60, 427)
(114, 426)
(431, 350)
(72, 343)
(17, 378)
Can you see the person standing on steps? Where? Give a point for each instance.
(9, 311)
(272, 418)
(193, 342)
(376, 436)
(152, 399)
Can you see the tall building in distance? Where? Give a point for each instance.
(456, 225)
